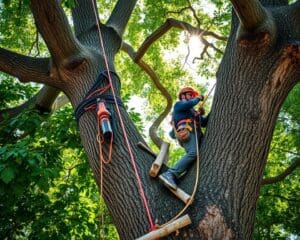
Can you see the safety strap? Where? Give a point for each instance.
(95, 94)
(184, 121)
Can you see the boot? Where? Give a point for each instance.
(168, 179)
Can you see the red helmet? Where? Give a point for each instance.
(186, 90)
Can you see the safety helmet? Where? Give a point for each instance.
(188, 89)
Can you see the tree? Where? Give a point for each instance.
(277, 207)
(259, 68)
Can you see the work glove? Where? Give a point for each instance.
(201, 111)
(201, 97)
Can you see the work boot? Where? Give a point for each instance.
(168, 179)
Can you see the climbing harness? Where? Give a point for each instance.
(183, 129)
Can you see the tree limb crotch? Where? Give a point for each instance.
(169, 23)
(53, 25)
(256, 24)
(120, 15)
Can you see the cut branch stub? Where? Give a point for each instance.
(161, 158)
(168, 229)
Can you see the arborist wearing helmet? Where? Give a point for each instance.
(183, 130)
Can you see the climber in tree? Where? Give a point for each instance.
(184, 131)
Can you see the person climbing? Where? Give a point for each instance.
(183, 130)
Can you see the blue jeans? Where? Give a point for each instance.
(186, 160)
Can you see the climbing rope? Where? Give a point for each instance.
(132, 159)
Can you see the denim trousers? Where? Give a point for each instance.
(188, 159)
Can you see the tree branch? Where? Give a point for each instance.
(194, 12)
(35, 43)
(26, 69)
(53, 25)
(256, 27)
(250, 13)
(281, 197)
(153, 129)
(204, 32)
(283, 175)
(170, 22)
(120, 15)
(60, 102)
(285, 151)
(46, 98)
(84, 19)
(42, 101)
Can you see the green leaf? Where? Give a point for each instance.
(2, 166)
(3, 150)
(8, 174)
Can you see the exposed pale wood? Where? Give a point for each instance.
(182, 195)
(161, 158)
(168, 229)
(146, 149)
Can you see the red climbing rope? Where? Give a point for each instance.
(141, 190)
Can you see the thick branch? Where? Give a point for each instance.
(283, 175)
(153, 129)
(120, 15)
(257, 27)
(42, 101)
(60, 102)
(53, 25)
(46, 98)
(166, 27)
(84, 18)
(26, 69)
(251, 13)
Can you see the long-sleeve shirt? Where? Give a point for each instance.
(185, 110)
